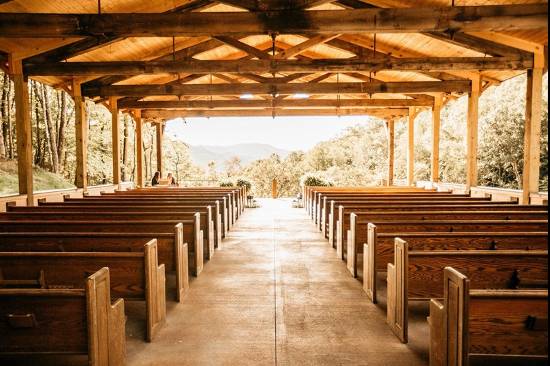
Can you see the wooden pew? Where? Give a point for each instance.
(182, 232)
(206, 224)
(213, 231)
(310, 192)
(418, 275)
(239, 192)
(427, 212)
(368, 232)
(110, 206)
(147, 201)
(379, 254)
(386, 191)
(65, 321)
(333, 204)
(173, 255)
(232, 210)
(329, 201)
(134, 275)
(491, 325)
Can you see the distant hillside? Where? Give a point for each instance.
(202, 155)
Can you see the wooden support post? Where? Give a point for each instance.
(160, 135)
(140, 182)
(533, 120)
(472, 133)
(23, 128)
(436, 128)
(115, 140)
(81, 135)
(410, 147)
(391, 150)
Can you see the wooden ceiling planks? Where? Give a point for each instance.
(349, 45)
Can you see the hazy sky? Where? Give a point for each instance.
(290, 133)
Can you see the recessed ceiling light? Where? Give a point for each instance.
(247, 96)
(301, 96)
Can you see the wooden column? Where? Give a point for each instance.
(23, 128)
(140, 182)
(160, 136)
(472, 133)
(533, 120)
(410, 147)
(391, 151)
(115, 140)
(81, 135)
(436, 128)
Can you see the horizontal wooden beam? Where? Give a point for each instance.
(282, 103)
(172, 114)
(397, 20)
(276, 66)
(279, 89)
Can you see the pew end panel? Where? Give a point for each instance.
(182, 264)
(339, 233)
(351, 250)
(219, 227)
(436, 322)
(397, 299)
(65, 321)
(370, 264)
(331, 224)
(106, 322)
(155, 288)
(199, 245)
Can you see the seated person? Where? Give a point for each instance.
(156, 179)
(171, 180)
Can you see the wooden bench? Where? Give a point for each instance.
(65, 321)
(329, 201)
(318, 196)
(412, 212)
(377, 256)
(206, 224)
(407, 204)
(213, 231)
(418, 275)
(486, 324)
(144, 201)
(237, 195)
(368, 232)
(311, 192)
(134, 275)
(182, 232)
(173, 255)
(232, 210)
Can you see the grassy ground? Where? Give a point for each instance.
(43, 180)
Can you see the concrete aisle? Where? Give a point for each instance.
(274, 295)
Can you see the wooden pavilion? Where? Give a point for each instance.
(164, 59)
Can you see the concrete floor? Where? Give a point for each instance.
(275, 294)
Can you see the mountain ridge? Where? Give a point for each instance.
(202, 155)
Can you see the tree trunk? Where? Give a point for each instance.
(3, 101)
(125, 150)
(51, 135)
(10, 106)
(61, 130)
(38, 157)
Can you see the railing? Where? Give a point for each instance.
(58, 194)
(497, 194)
